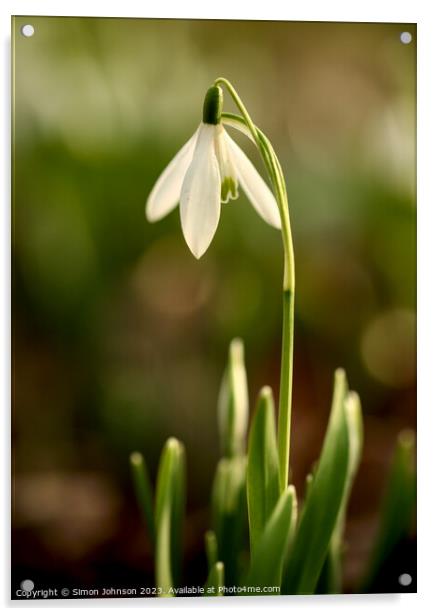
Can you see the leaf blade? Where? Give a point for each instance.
(143, 490)
(169, 510)
(211, 548)
(215, 580)
(229, 512)
(270, 551)
(233, 404)
(331, 576)
(398, 507)
(263, 489)
(322, 505)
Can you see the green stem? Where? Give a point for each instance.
(277, 179)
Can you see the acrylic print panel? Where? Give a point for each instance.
(213, 359)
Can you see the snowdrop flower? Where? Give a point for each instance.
(205, 173)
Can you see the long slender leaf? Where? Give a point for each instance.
(143, 489)
(271, 548)
(263, 468)
(211, 548)
(323, 503)
(169, 511)
(229, 513)
(331, 577)
(398, 507)
(215, 581)
(233, 406)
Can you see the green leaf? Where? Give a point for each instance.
(324, 500)
(271, 548)
(233, 406)
(398, 508)
(215, 581)
(169, 512)
(331, 576)
(143, 489)
(263, 468)
(229, 513)
(308, 483)
(211, 548)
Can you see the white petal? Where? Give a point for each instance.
(256, 189)
(200, 203)
(166, 191)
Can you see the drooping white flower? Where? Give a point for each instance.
(205, 173)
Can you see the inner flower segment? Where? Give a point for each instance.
(229, 184)
(228, 189)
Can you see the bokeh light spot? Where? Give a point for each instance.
(388, 347)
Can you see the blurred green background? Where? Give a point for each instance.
(120, 336)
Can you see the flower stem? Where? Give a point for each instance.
(274, 170)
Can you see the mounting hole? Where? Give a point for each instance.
(406, 37)
(405, 579)
(27, 585)
(27, 30)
